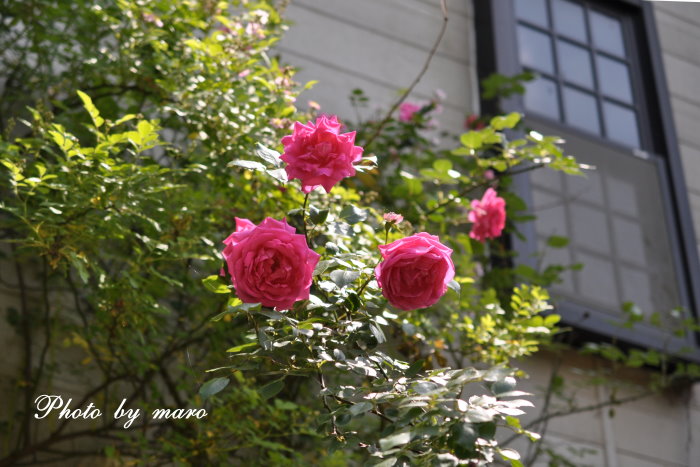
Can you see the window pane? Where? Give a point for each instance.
(535, 49)
(629, 241)
(621, 124)
(581, 110)
(534, 11)
(590, 228)
(541, 97)
(596, 281)
(569, 20)
(575, 64)
(614, 79)
(616, 226)
(607, 34)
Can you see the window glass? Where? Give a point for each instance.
(629, 240)
(541, 97)
(613, 217)
(614, 79)
(586, 75)
(534, 11)
(621, 124)
(607, 34)
(575, 64)
(581, 110)
(535, 49)
(569, 20)
(596, 281)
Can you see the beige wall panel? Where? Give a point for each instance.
(686, 117)
(688, 12)
(583, 427)
(683, 78)
(694, 199)
(694, 434)
(691, 167)
(455, 7)
(678, 37)
(413, 23)
(359, 53)
(630, 460)
(658, 418)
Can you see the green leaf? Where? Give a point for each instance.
(215, 284)
(507, 121)
(318, 216)
(321, 267)
(79, 266)
(397, 439)
(92, 110)
(343, 278)
(242, 347)
(360, 408)
(270, 156)
(338, 355)
(278, 174)
(442, 165)
(389, 462)
(415, 368)
(377, 333)
(454, 285)
(510, 454)
(271, 389)
(478, 414)
(264, 340)
(212, 387)
(250, 165)
(472, 140)
(352, 214)
(556, 241)
(125, 119)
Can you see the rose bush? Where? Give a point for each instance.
(319, 155)
(269, 263)
(414, 271)
(336, 336)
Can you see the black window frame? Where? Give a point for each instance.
(497, 52)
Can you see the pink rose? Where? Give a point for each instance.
(488, 216)
(269, 263)
(393, 218)
(406, 111)
(473, 123)
(414, 271)
(319, 155)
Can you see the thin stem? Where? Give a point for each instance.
(303, 218)
(322, 382)
(542, 429)
(402, 97)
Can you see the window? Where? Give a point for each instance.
(599, 85)
(584, 67)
